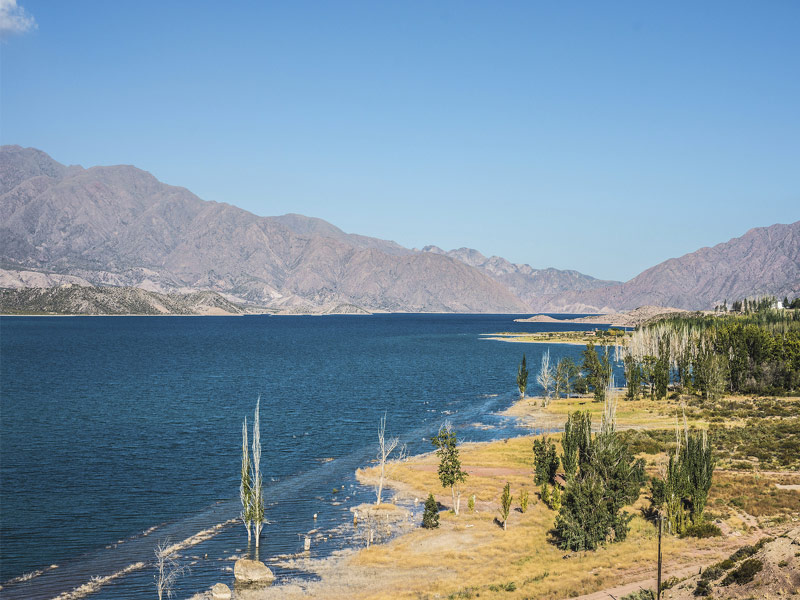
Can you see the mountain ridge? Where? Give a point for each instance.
(120, 226)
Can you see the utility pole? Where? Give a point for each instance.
(660, 529)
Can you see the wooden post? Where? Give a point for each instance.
(660, 529)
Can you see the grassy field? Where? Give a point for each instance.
(471, 556)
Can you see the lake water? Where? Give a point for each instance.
(120, 432)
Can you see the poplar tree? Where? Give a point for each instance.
(257, 494)
(522, 377)
(450, 472)
(245, 489)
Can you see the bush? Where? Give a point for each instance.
(640, 595)
(523, 500)
(703, 588)
(712, 573)
(471, 503)
(704, 529)
(744, 573)
(503, 587)
(430, 518)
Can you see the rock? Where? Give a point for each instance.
(252, 572)
(220, 591)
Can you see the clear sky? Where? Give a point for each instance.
(598, 136)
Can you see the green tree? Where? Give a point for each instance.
(545, 460)
(633, 377)
(661, 369)
(609, 478)
(522, 377)
(450, 473)
(575, 441)
(505, 504)
(430, 518)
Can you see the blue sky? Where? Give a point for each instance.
(598, 136)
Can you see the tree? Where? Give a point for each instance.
(545, 459)
(450, 472)
(661, 370)
(609, 478)
(385, 449)
(430, 518)
(545, 376)
(505, 504)
(633, 377)
(168, 569)
(598, 371)
(257, 494)
(245, 487)
(522, 377)
(575, 441)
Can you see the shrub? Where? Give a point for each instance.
(704, 529)
(471, 503)
(430, 518)
(523, 500)
(640, 595)
(712, 573)
(503, 587)
(703, 588)
(744, 573)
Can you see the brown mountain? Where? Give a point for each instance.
(120, 226)
(535, 287)
(764, 261)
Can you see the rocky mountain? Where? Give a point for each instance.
(120, 226)
(764, 261)
(535, 287)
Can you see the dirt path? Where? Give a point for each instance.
(644, 584)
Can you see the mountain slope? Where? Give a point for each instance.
(764, 261)
(120, 226)
(532, 286)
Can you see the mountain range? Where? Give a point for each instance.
(120, 226)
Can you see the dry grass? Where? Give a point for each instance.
(471, 556)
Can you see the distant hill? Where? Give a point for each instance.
(120, 226)
(764, 261)
(80, 300)
(535, 287)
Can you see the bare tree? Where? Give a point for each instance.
(385, 449)
(168, 569)
(545, 376)
(257, 492)
(245, 487)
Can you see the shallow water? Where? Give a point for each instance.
(113, 426)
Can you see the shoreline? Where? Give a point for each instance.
(440, 562)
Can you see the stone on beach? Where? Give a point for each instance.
(220, 591)
(252, 572)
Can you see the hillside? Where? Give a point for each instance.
(120, 226)
(764, 261)
(533, 286)
(81, 300)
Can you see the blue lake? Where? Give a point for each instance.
(113, 426)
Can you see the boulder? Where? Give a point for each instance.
(252, 572)
(220, 591)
